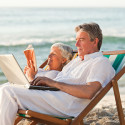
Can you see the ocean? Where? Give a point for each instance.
(42, 27)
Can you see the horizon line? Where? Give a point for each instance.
(62, 7)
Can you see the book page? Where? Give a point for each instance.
(30, 56)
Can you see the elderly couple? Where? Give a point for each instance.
(78, 81)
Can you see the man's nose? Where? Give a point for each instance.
(77, 43)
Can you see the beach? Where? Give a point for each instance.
(104, 113)
(42, 27)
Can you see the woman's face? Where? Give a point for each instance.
(55, 59)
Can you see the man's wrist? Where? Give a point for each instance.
(55, 84)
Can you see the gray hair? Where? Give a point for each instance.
(93, 30)
(66, 51)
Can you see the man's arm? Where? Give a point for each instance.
(81, 91)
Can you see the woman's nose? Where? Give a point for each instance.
(49, 56)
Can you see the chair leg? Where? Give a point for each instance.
(118, 102)
(81, 123)
(17, 120)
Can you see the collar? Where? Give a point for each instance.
(92, 55)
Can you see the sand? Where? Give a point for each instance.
(105, 112)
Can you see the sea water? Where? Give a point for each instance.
(42, 27)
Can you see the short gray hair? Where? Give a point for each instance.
(66, 51)
(93, 30)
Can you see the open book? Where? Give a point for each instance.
(30, 56)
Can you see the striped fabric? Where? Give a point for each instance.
(74, 56)
(117, 61)
(46, 67)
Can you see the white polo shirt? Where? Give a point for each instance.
(94, 67)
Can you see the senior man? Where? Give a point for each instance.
(78, 82)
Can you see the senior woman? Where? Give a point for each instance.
(60, 55)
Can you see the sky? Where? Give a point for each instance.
(62, 3)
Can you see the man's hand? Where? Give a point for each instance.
(42, 81)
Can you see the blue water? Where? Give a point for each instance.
(44, 26)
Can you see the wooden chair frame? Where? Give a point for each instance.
(50, 120)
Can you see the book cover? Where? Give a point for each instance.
(30, 56)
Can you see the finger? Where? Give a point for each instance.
(35, 81)
(25, 69)
(32, 81)
(39, 83)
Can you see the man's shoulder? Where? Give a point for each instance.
(102, 61)
(103, 58)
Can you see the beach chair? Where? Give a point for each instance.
(117, 59)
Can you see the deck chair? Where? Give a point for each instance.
(117, 59)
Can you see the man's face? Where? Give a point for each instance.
(84, 45)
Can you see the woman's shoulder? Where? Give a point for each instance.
(51, 73)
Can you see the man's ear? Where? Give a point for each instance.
(96, 41)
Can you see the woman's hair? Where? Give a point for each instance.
(66, 51)
(93, 30)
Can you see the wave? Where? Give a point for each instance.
(39, 41)
(35, 41)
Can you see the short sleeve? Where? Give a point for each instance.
(101, 71)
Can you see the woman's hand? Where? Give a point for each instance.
(30, 71)
(25, 69)
(42, 81)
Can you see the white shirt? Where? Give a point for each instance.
(47, 73)
(94, 67)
